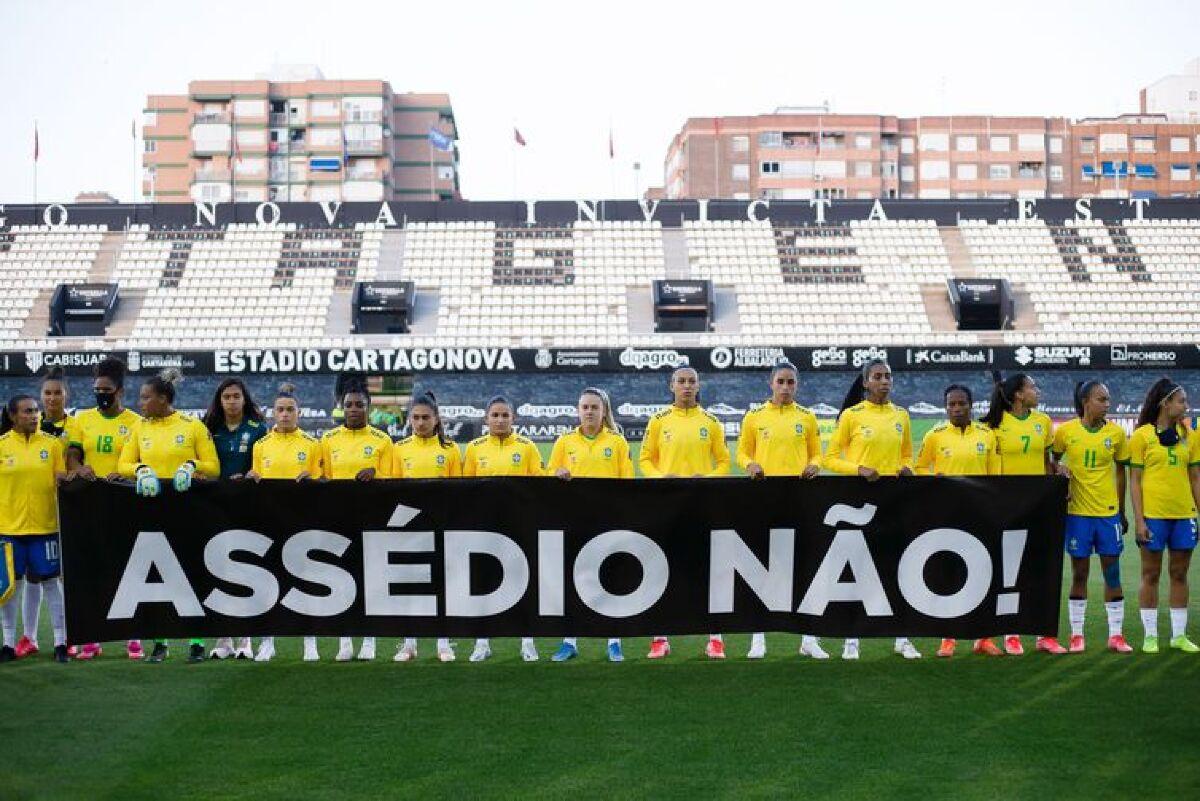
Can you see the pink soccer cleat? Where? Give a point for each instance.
(26, 647)
(133, 649)
(1117, 643)
(90, 650)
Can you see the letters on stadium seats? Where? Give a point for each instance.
(513, 556)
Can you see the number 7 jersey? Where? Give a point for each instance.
(1022, 443)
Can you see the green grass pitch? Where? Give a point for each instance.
(1095, 725)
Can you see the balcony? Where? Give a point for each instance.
(364, 146)
(280, 120)
(201, 117)
(361, 115)
(362, 175)
(221, 176)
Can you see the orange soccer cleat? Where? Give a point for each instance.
(1076, 644)
(1117, 643)
(1050, 645)
(946, 649)
(1012, 646)
(26, 647)
(715, 649)
(986, 647)
(659, 648)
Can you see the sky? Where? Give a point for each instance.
(565, 73)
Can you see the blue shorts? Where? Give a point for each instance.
(1178, 535)
(1099, 534)
(35, 555)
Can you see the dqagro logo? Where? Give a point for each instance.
(652, 359)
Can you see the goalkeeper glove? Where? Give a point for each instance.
(183, 477)
(146, 482)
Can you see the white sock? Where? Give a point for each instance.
(571, 641)
(410, 643)
(310, 642)
(483, 642)
(807, 640)
(1178, 622)
(1150, 621)
(8, 616)
(758, 640)
(345, 643)
(443, 644)
(267, 641)
(53, 591)
(526, 641)
(614, 640)
(368, 642)
(901, 642)
(31, 607)
(1116, 616)
(1076, 609)
(852, 641)
(716, 637)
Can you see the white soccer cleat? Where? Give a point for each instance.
(244, 649)
(266, 650)
(758, 646)
(528, 650)
(310, 650)
(345, 650)
(850, 649)
(367, 652)
(483, 650)
(906, 649)
(445, 654)
(811, 646)
(223, 649)
(406, 652)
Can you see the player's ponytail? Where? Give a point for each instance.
(164, 383)
(1159, 392)
(858, 390)
(609, 422)
(1083, 389)
(429, 401)
(8, 415)
(53, 374)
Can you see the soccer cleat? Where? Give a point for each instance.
(528, 650)
(26, 647)
(660, 648)
(89, 651)
(195, 652)
(133, 650)
(1076, 644)
(850, 649)
(7, 654)
(1012, 646)
(715, 649)
(986, 647)
(266, 650)
(1117, 643)
(244, 649)
(1150, 645)
(223, 649)
(159, 654)
(482, 651)
(906, 649)
(811, 646)
(72, 651)
(1049, 644)
(614, 652)
(946, 649)
(345, 650)
(565, 652)
(405, 651)
(445, 654)
(758, 649)
(366, 652)
(60, 654)
(1182, 643)
(310, 650)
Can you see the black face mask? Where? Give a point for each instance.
(105, 400)
(1169, 437)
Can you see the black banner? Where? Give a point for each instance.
(543, 557)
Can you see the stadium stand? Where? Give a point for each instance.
(33, 260)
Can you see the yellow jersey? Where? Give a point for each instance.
(101, 438)
(684, 442)
(286, 455)
(345, 452)
(164, 443)
(783, 440)
(1091, 456)
(425, 457)
(948, 450)
(605, 455)
(513, 455)
(1022, 443)
(56, 428)
(28, 492)
(871, 435)
(1166, 485)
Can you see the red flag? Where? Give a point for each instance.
(520, 139)
(35, 142)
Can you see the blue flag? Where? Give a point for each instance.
(440, 141)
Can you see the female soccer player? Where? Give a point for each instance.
(1024, 438)
(95, 438)
(500, 452)
(960, 447)
(167, 443)
(1095, 451)
(285, 453)
(1165, 456)
(54, 403)
(236, 423)
(354, 451)
(425, 454)
(595, 449)
(873, 438)
(780, 438)
(684, 441)
(31, 465)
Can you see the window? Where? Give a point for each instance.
(935, 194)
(250, 137)
(768, 167)
(1087, 145)
(1056, 172)
(1055, 144)
(887, 169)
(249, 108)
(324, 108)
(1031, 141)
(862, 141)
(935, 170)
(150, 118)
(935, 142)
(247, 166)
(864, 194)
(1144, 171)
(325, 136)
(967, 195)
(1179, 144)
(741, 172)
(906, 144)
(445, 172)
(966, 144)
(770, 139)
(740, 144)
(797, 169)
(862, 169)
(966, 172)
(830, 169)
(1000, 144)
(1113, 142)
(1143, 144)
(150, 146)
(1181, 172)
(1000, 172)
(906, 173)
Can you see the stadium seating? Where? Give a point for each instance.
(35, 259)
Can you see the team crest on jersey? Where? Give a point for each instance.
(45, 454)
(441, 460)
(179, 439)
(123, 431)
(704, 433)
(516, 457)
(608, 453)
(800, 429)
(1108, 443)
(368, 450)
(1037, 427)
(899, 428)
(301, 457)
(980, 447)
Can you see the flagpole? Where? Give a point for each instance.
(514, 146)
(432, 190)
(136, 187)
(36, 147)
